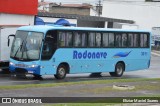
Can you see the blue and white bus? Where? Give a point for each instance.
(48, 50)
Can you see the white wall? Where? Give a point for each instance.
(15, 19)
(93, 12)
(146, 15)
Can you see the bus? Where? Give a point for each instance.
(49, 50)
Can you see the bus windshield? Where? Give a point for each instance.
(26, 46)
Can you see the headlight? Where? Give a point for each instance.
(33, 66)
(11, 64)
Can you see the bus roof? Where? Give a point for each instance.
(45, 28)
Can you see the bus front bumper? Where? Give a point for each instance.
(24, 69)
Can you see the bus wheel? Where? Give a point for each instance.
(61, 72)
(119, 69)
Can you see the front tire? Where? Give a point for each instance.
(61, 72)
(119, 69)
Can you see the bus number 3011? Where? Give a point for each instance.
(144, 53)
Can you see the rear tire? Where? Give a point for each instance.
(119, 69)
(61, 72)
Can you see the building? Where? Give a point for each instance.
(145, 13)
(79, 9)
(43, 6)
(82, 20)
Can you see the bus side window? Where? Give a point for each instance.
(130, 40)
(124, 40)
(84, 39)
(144, 40)
(91, 39)
(118, 42)
(65, 39)
(98, 39)
(105, 39)
(111, 39)
(61, 39)
(136, 40)
(68, 40)
(77, 39)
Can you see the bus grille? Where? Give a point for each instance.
(21, 65)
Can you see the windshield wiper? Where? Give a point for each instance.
(19, 48)
(26, 51)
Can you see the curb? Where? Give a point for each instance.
(157, 54)
(155, 51)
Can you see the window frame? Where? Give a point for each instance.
(80, 32)
(44, 40)
(108, 32)
(58, 41)
(115, 33)
(148, 40)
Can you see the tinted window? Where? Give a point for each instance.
(105, 39)
(124, 40)
(98, 39)
(77, 39)
(62, 39)
(111, 39)
(65, 39)
(69, 39)
(118, 42)
(84, 39)
(91, 40)
(144, 40)
(108, 39)
(130, 40)
(136, 40)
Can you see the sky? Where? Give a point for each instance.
(74, 1)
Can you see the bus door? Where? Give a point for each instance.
(49, 48)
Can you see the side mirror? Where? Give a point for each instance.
(8, 42)
(12, 35)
